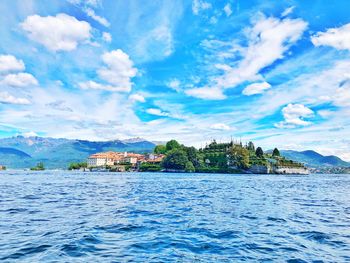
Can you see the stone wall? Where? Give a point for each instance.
(259, 169)
(290, 170)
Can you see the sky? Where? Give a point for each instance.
(274, 72)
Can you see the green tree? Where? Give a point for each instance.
(39, 167)
(259, 152)
(192, 155)
(189, 167)
(176, 159)
(150, 167)
(172, 144)
(160, 149)
(251, 146)
(276, 152)
(239, 156)
(76, 166)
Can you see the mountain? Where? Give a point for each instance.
(24, 152)
(314, 159)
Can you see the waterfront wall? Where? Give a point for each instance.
(259, 169)
(262, 169)
(291, 170)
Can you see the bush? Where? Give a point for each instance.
(39, 167)
(175, 160)
(77, 166)
(150, 167)
(189, 167)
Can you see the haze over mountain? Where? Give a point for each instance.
(25, 152)
(314, 159)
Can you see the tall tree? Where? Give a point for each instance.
(172, 144)
(192, 155)
(259, 152)
(251, 146)
(176, 159)
(160, 149)
(276, 152)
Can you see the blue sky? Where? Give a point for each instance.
(274, 73)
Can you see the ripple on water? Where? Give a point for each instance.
(26, 251)
(173, 218)
(120, 228)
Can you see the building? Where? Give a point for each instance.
(114, 158)
(104, 159)
(154, 158)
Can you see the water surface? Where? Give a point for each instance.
(116, 217)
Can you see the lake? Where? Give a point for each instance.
(145, 217)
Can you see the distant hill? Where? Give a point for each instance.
(24, 152)
(314, 159)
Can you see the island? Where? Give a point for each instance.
(39, 167)
(230, 157)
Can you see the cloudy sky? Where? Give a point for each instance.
(275, 72)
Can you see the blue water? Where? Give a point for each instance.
(77, 217)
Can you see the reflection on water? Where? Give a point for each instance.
(77, 217)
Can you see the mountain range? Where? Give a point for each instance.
(314, 159)
(24, 152)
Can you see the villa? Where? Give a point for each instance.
(117, 158)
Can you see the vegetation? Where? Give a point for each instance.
(39, 167)
(259, 152)
(160, 149)
(77, 166)
(176, 159)
(276, 152)
(230, 157)
(150, 167)
(239, 156)
(171, 145)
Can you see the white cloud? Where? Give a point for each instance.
(97, 86)
(6, 98)
(137, 97)
(174, 84)
(10, 63)
(199, 5)
(213, 20)
(338, 38)
(19, 80)
(117, 73)
(157, 112)
(220, 127)
(206, 93)
(91, 13)
(288, 11)
(227, 9)
(107, 37)
(60, 32)
(155, 44)
(294, 115)
(256, 88)
(268, 40)
(119, 69)
(341, 97)
(325, 113)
